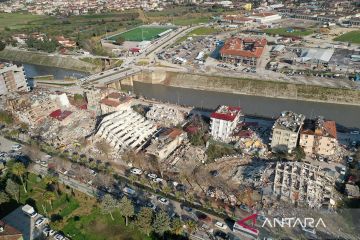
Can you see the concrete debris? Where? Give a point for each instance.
(167, 116)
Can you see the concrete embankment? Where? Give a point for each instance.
(65, 62)
(252, 87)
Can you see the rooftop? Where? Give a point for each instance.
(60, 115)
(320, 127)
(289, 121)
(226, 113)
(8, 232)
(245, 47)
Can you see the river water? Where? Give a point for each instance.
(32, 70)
(346, 115)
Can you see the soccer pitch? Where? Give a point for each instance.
(140, 34)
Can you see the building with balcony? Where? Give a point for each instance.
(224, 121)
(318, 137)
(286, 131)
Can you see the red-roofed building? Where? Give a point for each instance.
(319, 137)
(245, 51)
(114, 102)
(224, 121)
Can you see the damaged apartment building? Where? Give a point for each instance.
(300, 182)
(126, 129)
(286, 131)
(318, 137)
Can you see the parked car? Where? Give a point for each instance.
(355, 132)
(52, 232)
(163, 201)
(59, 236)
(152, 175)
(136, 171)
(220, 225)
(40, 221)
(46, 231)
(221, 235)
(203, 217)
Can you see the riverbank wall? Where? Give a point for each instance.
(251, 87)
(42, 59)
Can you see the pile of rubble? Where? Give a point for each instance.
(165, 115)
(253, 174)
(187, 153)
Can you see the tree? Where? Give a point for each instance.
(161, 223)
(108, 205)
(12, 189)
(120, 41)
(4, 198)
(49, 197)
(19, 170)
(191, 226)
(177, 226)
(2, 45)
(126, 208)
(144, 220)
(299, 153)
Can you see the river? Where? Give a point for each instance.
(346, 115)
(32, 70)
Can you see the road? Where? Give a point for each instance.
(172, 207)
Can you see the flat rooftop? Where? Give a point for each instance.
(290, 121)
(226, 113)
(244, 47)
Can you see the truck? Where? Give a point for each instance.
(29, 210)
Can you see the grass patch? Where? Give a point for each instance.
(289, 32)
(190, 21)
(203, 31)
(97, 226)
(352, 37)
(18, 20)
(140, 34)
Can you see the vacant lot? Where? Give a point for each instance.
(18, 20)
(289, 32)
(140, 34)
(352, 37)
(203, 31)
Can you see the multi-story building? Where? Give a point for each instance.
(224, 121)
(12, 79)
(286, 132)
(246, 51)
(318, 137)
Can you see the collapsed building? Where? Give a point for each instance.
(300, 182)
(125, 129)
(318, 137)
(166, 142)
(12, 79)
(286, 132)
(166, 115)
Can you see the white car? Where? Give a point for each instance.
(58, 236)
(52, 232)
(220, 225)
(152, 175)
(354, 132)
(40, 221)
(164, 201)
(350, 159)
(157, 180)
(343, 171)
(46, 231)
(136, 171)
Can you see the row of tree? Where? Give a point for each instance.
(145, 220)
(47, 45)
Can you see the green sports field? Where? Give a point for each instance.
(352, 37)
(285, 32)
(140, 34)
